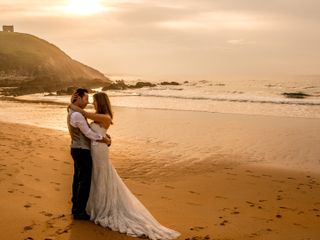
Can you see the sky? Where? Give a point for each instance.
(178, 39)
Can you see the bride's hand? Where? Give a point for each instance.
(105, 140)
(77, 109)
(74, 97)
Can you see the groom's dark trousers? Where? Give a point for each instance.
(81, 179)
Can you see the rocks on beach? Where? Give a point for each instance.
(121, 85)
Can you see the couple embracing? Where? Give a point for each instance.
(98, 192)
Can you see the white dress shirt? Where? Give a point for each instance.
(77, 120)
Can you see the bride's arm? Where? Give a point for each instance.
(101, 118)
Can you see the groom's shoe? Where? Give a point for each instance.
(82, 216)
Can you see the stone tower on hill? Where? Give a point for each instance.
(7, 28)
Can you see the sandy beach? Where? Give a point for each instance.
(215, 111)
(206, 175)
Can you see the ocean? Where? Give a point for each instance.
(254, 97)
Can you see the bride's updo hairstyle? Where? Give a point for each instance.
(103, 104)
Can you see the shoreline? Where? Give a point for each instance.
(206, 199)
(90, 106)
(271, 109)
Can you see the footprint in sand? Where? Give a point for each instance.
(61, 216)
(291, 178)
(233, 174)
(260, 232)
(300, 225)
(167, 186)
(287, 208)
(221, 197)
(58, 231)
(229, 168)
(56, 183)
(163, 197)
(50, 225)
(224, 222)
(197, 228)
(279, 197)
(278, 181)
(27, 205)
(206, 237)
(19, 184)
(252, 235)
(35, 196)
(266, 175)
(193, 204)
(235, 212)
(28, 228)
(47, 214)
(138, 194)
(255, 176)
(61, 231)
(192, 192)
(251, 204)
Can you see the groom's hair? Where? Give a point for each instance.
(81, 92)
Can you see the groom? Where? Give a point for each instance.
(81, 136)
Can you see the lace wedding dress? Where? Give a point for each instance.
(112, 205)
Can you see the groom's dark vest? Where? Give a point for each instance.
(78, 139)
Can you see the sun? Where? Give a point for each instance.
(83, 7)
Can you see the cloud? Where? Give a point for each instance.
(179, 36)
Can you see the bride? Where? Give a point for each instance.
(111, 204)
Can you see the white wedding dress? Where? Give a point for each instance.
(112, 205)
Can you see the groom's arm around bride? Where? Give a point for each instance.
(81, 136)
